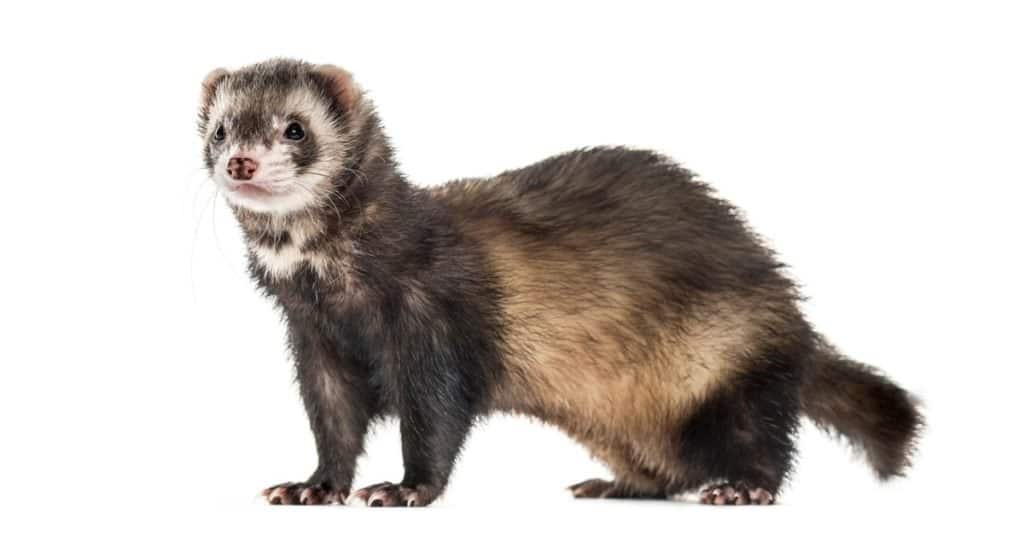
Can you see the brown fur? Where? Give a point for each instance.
(605, 291)
(592, 345)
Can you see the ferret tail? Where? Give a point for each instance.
(860, 403)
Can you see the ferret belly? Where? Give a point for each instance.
(596, 372)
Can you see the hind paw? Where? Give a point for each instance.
(738, 494)
(592, 488)
(601, 488)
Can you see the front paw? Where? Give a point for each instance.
(387, 494)
(304, 494)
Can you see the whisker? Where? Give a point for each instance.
(195, 239)
(216, 235)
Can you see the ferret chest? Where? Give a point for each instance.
(280, 261)
(283, 253)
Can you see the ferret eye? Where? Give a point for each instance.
(294, 132)
(219, 134)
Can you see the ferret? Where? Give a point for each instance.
(606, 291)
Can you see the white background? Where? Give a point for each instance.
(144, 384)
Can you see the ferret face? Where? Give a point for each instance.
(274, 135)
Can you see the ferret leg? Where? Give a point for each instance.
(429, 448)
(740, 443)
(436, 412)
(339, 405)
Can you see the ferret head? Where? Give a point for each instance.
(276, 133)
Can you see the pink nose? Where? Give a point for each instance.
(242, 168)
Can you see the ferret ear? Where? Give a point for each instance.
(343, 88)
(210, 84)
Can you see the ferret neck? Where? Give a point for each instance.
(374, 212)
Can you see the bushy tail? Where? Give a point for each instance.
(863, 405)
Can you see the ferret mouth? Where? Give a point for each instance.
(255, 190)
(276, 196)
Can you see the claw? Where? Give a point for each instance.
(279, 496)
(309, 497)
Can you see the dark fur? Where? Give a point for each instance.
(860, 403)
(435, 315)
